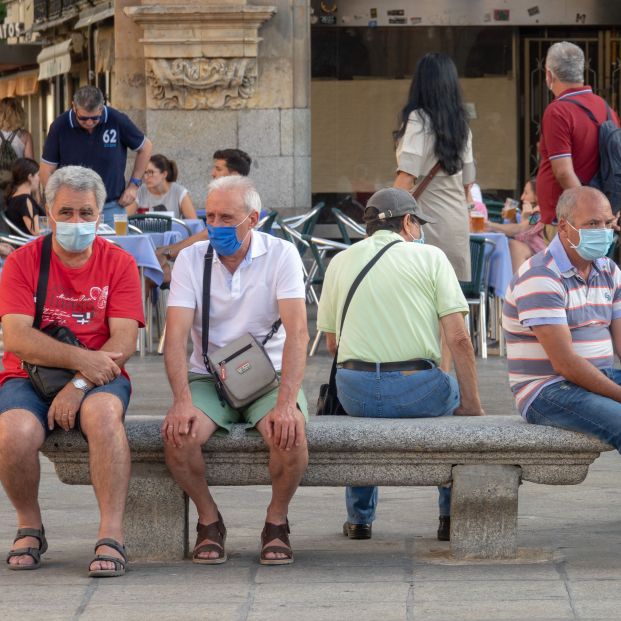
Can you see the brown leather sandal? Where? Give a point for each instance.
(271, 532)
(216, 532)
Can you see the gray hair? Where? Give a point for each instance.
(88, 97)
(242, 185)
(76, 178)
(570, 198)
(566, 62)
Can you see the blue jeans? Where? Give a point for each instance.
(109, 209)
(569, 406)
(395, 394)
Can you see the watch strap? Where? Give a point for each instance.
(137, 182)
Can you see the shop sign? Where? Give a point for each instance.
(10, 30)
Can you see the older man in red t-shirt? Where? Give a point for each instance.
(93, 289)
(569, 145)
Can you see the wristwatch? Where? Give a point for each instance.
(137, 182)
(80, 384)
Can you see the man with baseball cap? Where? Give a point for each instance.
(389, 349)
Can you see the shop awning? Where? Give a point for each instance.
(54, 60)
(94, 14)
(19, 84)
(18, 55)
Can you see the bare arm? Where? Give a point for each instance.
(459, 344)
(174, 249)
(187, 208)
(286, 429)
(563, 171)
(45, 170)
(140, 164)
(331, 342)
(508, 229)
(32, 345)
(615, 330)
(28, 148)
(182, 413)
(404, 181)
(556, 341)
(132, 208)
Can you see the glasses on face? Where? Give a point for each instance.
(150, 173)
(87, 118)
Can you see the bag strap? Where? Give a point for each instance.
(44, 272)
(350, 295)
(420, 188)
(589, 113)
(206, 304)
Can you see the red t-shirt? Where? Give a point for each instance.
(107, 285)
(567, 131)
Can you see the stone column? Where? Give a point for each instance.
(222, 74)
(484, 509)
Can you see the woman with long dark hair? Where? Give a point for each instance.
(433, 128)
(21, 207)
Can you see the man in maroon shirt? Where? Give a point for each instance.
(569, 145)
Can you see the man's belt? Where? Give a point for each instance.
(407, 365)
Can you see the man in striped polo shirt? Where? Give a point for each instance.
(562, 323)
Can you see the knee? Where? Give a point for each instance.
(20, 433)
(101, 417)
(294, 457)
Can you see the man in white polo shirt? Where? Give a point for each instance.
(255, 279)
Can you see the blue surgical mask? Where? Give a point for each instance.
(421, 239)
(593, 244)
(75, 236)
(224, 238)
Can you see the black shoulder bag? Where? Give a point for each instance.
(49, 381)
(328, 403)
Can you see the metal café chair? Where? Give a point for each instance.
(346, 224)
(12, 228)
(475, 290)
(150, 223)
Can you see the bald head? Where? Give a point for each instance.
(581, 199)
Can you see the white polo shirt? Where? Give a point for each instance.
(246, 301)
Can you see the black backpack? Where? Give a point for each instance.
(7, 152)
(608, 177)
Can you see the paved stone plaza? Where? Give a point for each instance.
(568, 567)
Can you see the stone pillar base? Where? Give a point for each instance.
(484, 512)
(156, 516)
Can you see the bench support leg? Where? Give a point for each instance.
(156, 516)
(484, 509)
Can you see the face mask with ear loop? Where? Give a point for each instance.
(421, 239)
(593, 244)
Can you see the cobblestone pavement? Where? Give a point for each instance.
(569, 565)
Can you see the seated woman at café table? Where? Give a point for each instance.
(527, 235)
(161, 192)
(21, 207)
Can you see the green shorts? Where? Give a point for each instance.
(205, 398)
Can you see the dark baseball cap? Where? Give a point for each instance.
(393, 203)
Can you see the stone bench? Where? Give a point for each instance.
(485, 458)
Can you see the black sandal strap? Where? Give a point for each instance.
(31, 532)
(34, 553)
(118, 562)
(115, 545)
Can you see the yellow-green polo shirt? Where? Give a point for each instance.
(394, 314)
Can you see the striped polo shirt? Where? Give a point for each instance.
(548, 289)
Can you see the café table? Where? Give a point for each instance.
(500, 274)
(142, 248)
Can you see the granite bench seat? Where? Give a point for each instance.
(486, 458)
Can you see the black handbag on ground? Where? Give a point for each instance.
(328, 403)
(49, 381)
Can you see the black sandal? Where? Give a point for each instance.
(34, 553)
(119, 563)
(271, 532)
(215, 532)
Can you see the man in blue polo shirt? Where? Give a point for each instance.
(97, 136)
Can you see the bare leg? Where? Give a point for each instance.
(187, 466)
(519, 253)
(101, 420)
(21, 437)
(286, 469)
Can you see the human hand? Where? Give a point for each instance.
(5, 249)
(129, 195)
(469, 411)
(99, 367)
(64, 407)
(179, 422)
(285, 425)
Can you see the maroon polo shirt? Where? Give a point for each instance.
(567, 131)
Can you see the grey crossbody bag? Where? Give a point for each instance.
(242, 370)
